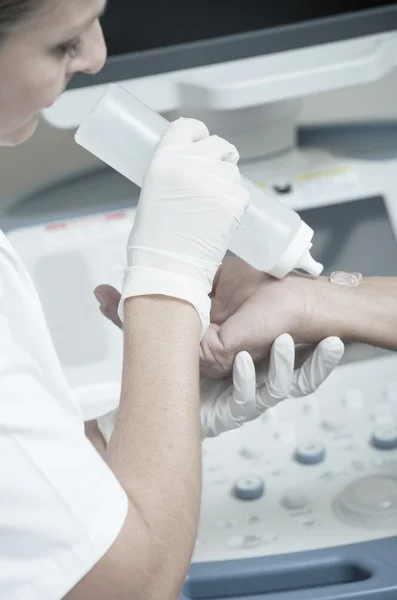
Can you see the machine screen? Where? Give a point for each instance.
(132, 27)
(354, 236)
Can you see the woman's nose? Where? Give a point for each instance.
(95, 53)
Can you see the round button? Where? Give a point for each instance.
(384, 437)
(283, 188)
(310, 453)
(294, 500)
(249, 488)
(370, 501)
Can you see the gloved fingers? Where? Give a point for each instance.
(193, 133)
(213, 158)
(216, 148)
(183, 132)
(225, 176)
(240, 407)
(211, 393)
(315, 370)
(243, 404)
(235, 405)
(281, 372)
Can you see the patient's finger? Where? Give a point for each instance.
(215, 361)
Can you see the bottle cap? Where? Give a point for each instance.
(297, 255)
(308, 264)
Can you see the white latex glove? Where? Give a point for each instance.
(191, 203)
(229, 403)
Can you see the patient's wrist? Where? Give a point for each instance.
(330, 310)
(366, 314)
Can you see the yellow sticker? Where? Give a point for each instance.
(324, 173)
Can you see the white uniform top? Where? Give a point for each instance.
(61, 507)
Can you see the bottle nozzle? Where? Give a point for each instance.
(308, 264)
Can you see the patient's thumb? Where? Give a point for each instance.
(215, 361)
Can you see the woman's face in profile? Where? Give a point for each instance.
(40, 55)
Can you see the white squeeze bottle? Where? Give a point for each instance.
(123, 132)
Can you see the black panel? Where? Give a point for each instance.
(157, 37)
(354, 236)
(133, 27)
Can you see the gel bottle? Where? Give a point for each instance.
(123, 132)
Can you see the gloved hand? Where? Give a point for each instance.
(229, 403)
(191, 203)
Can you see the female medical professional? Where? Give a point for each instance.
(72, 523)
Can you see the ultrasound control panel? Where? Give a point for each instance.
(310, 473)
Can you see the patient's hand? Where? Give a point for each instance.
(249, 311)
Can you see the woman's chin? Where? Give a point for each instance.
(20, 135)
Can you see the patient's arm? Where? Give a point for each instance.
(367, 313)
(251, 309)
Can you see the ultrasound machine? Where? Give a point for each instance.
(302, 503)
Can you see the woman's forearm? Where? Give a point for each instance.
(366, 314)
(155, 447)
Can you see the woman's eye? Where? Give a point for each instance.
(70, 48)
